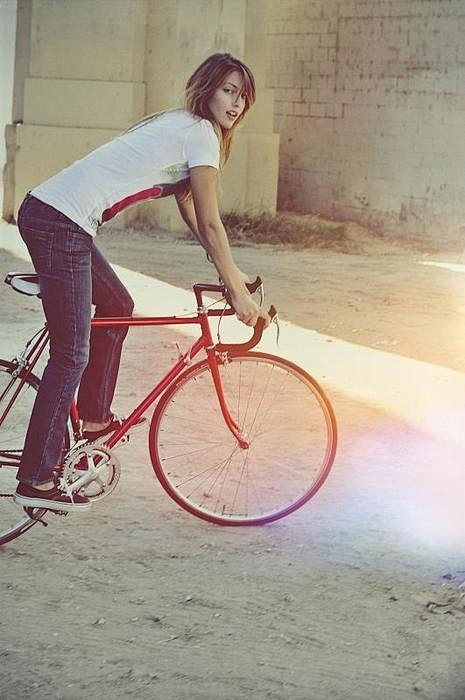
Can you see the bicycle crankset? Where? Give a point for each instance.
(91, 469)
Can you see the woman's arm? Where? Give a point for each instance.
(202, 216)
(187, 211)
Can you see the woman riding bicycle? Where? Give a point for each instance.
(178, 152)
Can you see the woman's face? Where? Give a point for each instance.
(228, 101)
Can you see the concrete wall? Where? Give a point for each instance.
(368, 97)
(83, 73)
(7, 54)
(180, 34)
(370, 105)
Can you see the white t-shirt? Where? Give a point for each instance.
(140, 164)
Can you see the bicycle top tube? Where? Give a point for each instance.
(27, 283)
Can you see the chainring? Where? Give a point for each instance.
(92, 470)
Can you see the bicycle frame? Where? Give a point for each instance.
(28, 359)
(204, 342)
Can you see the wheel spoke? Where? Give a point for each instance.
(14, 520)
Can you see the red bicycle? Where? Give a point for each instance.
(236, 438)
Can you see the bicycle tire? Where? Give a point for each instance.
(289, 423)
(14, 521)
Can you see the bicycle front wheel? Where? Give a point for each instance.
(283, 414)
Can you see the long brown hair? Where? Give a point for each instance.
(203, 83)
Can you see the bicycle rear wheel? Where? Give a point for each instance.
(17, 395)
(283, 413)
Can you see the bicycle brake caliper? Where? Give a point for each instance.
(224, 358)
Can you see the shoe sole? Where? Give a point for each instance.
(27, 502)
(103, 438)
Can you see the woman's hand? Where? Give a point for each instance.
(248, 311)
(211, 233)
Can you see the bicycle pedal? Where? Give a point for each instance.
(30, 512)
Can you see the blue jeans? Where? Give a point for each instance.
(73, 275)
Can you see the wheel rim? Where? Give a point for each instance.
(286, 418)
(13, 519)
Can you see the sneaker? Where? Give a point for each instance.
(59, 497)
(115, 424)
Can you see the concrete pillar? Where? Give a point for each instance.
(78, 82)
(7, 57)
(85, 70)
(180, 35)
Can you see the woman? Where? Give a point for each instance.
(178, 153)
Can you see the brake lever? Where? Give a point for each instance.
(257, 286)
(275, 321)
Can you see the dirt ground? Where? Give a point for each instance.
(357, 595)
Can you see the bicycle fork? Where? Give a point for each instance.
(225, 410)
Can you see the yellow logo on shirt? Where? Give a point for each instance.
(173, 170)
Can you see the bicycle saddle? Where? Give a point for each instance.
(24, 283)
